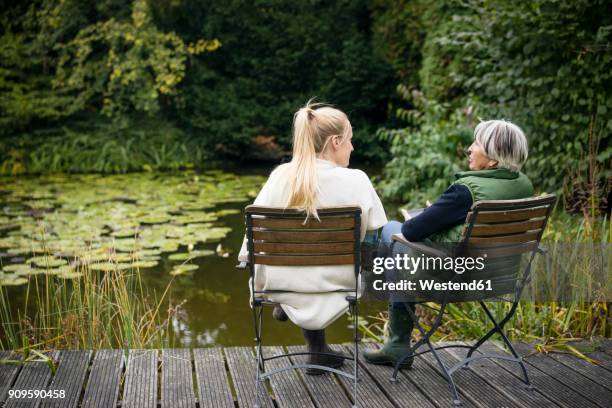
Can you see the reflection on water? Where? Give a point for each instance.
(171, 214)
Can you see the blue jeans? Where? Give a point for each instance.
(385, 249)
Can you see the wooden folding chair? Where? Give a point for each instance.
(501, 232)
(283, 237)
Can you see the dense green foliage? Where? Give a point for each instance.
(200, 80)
(275, 56)
(545, 64)
(429, 151)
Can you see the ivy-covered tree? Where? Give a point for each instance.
(543, 64)
(124, 66)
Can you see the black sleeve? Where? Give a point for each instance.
(450, 209)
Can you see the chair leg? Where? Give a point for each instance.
(355, 355)
(499, 329)
(259, 362)
(425, 340)
(354, 310)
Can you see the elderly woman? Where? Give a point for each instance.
(495, 159)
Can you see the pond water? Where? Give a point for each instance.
(185, 228)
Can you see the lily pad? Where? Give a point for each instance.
(62, 270)
(194, 217)
(7, 280)
(146, 252)
(197, 206)
(184, 256)
(70, 275)
(109, 266)
(17, 269)
(183, 269)
(47, 261)
(116, 221)
(170, 246)
(155, 219)
(124, 233)
(145, 264)
(229, 211)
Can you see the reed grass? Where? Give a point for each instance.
(110, 309)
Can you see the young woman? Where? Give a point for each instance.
(317, 176)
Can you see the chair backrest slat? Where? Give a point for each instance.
(502, 228)
(512, 215)
(505, 239)
(486, 230)
(304, 248)
(334, 222)
(310, 260)
(305, 236)
(283, 237)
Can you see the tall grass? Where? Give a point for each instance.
(98, 310)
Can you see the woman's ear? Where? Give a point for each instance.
(492, 164)
(335, 142)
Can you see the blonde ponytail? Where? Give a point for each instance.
(313, 125)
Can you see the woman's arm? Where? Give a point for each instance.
(450, 209)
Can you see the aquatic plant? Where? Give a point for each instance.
(79, 246)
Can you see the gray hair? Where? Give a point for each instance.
(503, 142)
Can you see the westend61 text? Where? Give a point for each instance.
(429, 285)
(415, 263)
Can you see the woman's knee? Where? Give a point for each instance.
(390, 228)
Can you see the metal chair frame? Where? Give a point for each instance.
(255, 217)
(545, 205)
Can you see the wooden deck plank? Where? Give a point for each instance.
(592, 371)
(241, 362)
(432, 384)
(503, 381)
(140, 386)
(470, 385)
(543, 383)
(176, 379)
(572, 379)
(287, 387)
(560, 380)
(368, 393)
(33, 376)
(402, 393)
(324, 389)
(211, 378)
(8, 373)
(601, 359)
(70, 377)
(102, 388)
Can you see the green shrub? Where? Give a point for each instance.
(95, 145)
(428, 151)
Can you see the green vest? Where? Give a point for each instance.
(495, 184)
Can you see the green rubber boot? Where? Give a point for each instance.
(398, 343)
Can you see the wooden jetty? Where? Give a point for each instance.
(223, 378)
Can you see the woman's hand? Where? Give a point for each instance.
(411, 214)
(405, 214)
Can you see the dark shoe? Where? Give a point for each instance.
(398, 343)
(315, 342)
(279, 314)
